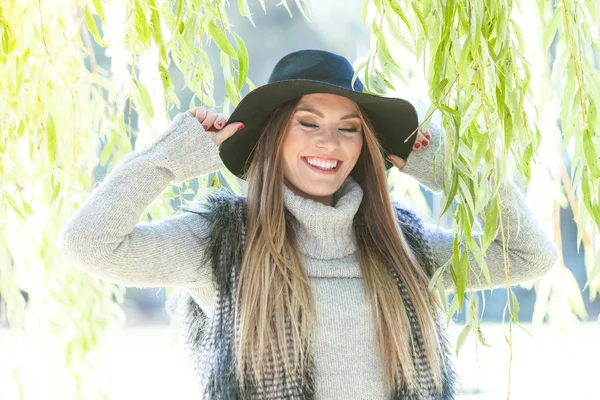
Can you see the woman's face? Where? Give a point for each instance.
(321, 145)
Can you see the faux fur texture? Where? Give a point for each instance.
(210, 343)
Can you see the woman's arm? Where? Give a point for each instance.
(530, 252)
(103, 237)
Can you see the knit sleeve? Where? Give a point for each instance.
(530, 252)
(104, 238)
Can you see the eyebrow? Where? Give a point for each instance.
(320, 114)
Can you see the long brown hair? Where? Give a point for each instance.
(273, 289)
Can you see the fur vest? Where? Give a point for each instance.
(210, 341)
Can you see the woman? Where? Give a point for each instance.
(316, 260)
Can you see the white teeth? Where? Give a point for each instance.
(326, 165)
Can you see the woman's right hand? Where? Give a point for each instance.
(215, 124)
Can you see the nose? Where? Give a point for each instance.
(328, 138)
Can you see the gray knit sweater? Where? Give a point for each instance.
(104, 238)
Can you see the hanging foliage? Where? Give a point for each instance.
(473, 57)
(58, 104)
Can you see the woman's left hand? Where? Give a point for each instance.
(422, 141)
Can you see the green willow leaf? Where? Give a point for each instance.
(141, 24)
(242, 54)
(491, 224)
(382, 46)
(450, 110)
(470, 115)
(377, 85)
(165, 78)
(51, 139)
(383, 81)
(482, 146)
(437, 91)
(7, 39)
(462, 337)
(526, 163)
(462, 214)
(357, 71)
(14, 206)
(389, 66)
(157, 32)
(449, 11)
(593, 209)
(468, 196)
(591, 156)
(515, 303)
(221, 40)
(145, 99)
(399, 12)
(262, 4)
(364, 8)
(592, 115)
(299, 4)
(230, 88)
(481, 337)
(92, 27)
(460, 276)
(416, 8)
(394, 30)
(479, 257)
(245, 10)
(27, 208)
(55, 192)
(550, 30)
(595, 270)
(99, 10)
(451, 192)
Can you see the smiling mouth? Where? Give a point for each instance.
(323, 168)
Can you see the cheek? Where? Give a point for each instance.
(354, 147)
(292, 144)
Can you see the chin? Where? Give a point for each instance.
(318, 190)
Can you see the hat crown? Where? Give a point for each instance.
(316, 65)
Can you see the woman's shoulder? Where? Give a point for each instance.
(406, 216)
(413, 229)
(216, 201)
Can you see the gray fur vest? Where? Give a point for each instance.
(210, 342)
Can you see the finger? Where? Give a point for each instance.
(420, 142)
(198, 112)
(227, 132)
(424, 137)
(397, 161)
(211, 116)
(220, 121)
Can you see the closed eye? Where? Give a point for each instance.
(306, 124)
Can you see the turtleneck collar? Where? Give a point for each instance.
(325, 232)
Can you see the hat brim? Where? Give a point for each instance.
(393, 119)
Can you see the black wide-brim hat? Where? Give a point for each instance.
(316, 71)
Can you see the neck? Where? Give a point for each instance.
(325, 200)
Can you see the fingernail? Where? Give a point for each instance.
(389, 159)
(242, 126)
(417, 146)
(219, 123)
(425, 143)
(205, 127)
